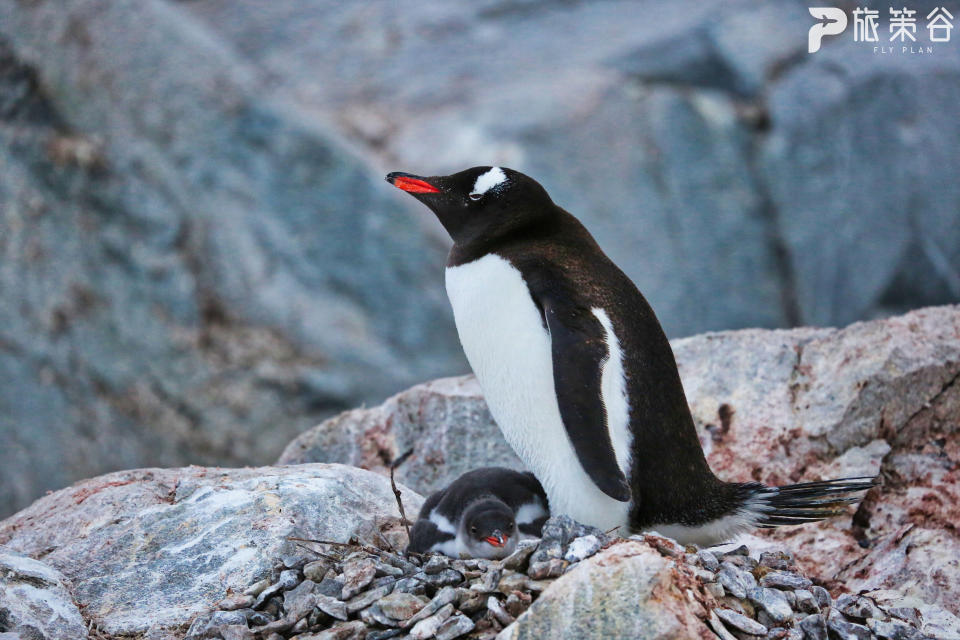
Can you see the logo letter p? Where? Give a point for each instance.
(832, 22)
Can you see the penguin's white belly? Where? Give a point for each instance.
(509, 350)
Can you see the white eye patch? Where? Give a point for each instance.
(487, 181)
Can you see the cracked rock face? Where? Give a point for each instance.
(774, 406)
(36, 600)
(147, 550)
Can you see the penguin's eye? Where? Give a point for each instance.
(475, 196)
(473, 529)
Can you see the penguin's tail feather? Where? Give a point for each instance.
(804, 502)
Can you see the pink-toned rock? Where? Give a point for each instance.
(627, 591)
(808, 404)
(147, 550)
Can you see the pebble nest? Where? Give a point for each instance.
(355, 591)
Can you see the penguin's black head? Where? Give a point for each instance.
(478, 203)
(488, 529)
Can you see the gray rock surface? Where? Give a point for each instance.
(446, 422)
(35, 599)
(148, 550)
(774, 406)
(193, 271)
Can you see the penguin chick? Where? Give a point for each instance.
(481, 514)
(579, 374)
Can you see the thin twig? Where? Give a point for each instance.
(396, 492)
(317, 553)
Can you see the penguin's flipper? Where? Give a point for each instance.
(579, 350)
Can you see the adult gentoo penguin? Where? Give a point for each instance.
(481, 514)
(579, 375)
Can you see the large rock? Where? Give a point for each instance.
(445, 422)
(35, 600)
(773, 406)
(627, 591)
(192, 270)
(147, 550)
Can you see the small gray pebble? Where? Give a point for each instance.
(330, 587)
(517, 561)
(772, 601)
(854, 606)
(582, 548)
(814, 627)
(739, 551)
(489, 581)
(715, 589)
(445, 596)
(729, 580)
(784, 580)
(443, 578)
(400, 605)
(496, 608)
(374, 615)
(428, 627)
(893, 630)
(453, 627)
(805, 601)
(259, 619)
(358, 573)
(740, 622)
(708, 561)
(316, 570)
(822, 596)
(436, 564)
(368, 597)
(331, 606)
(410, 585)
(257, 587)
(776, 560)
(847, 630)
(293, 561)
(743, 562)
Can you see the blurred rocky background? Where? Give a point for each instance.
(199, 258)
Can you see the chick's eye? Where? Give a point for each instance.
(475, 196)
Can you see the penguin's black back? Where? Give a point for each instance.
(514, 488)
(670, 480)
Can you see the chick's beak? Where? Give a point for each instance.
(410, 183)
(497, 539)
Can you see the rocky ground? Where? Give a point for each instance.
(542, 590)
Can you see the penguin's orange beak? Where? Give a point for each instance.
(497, 539)
(410, 183)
